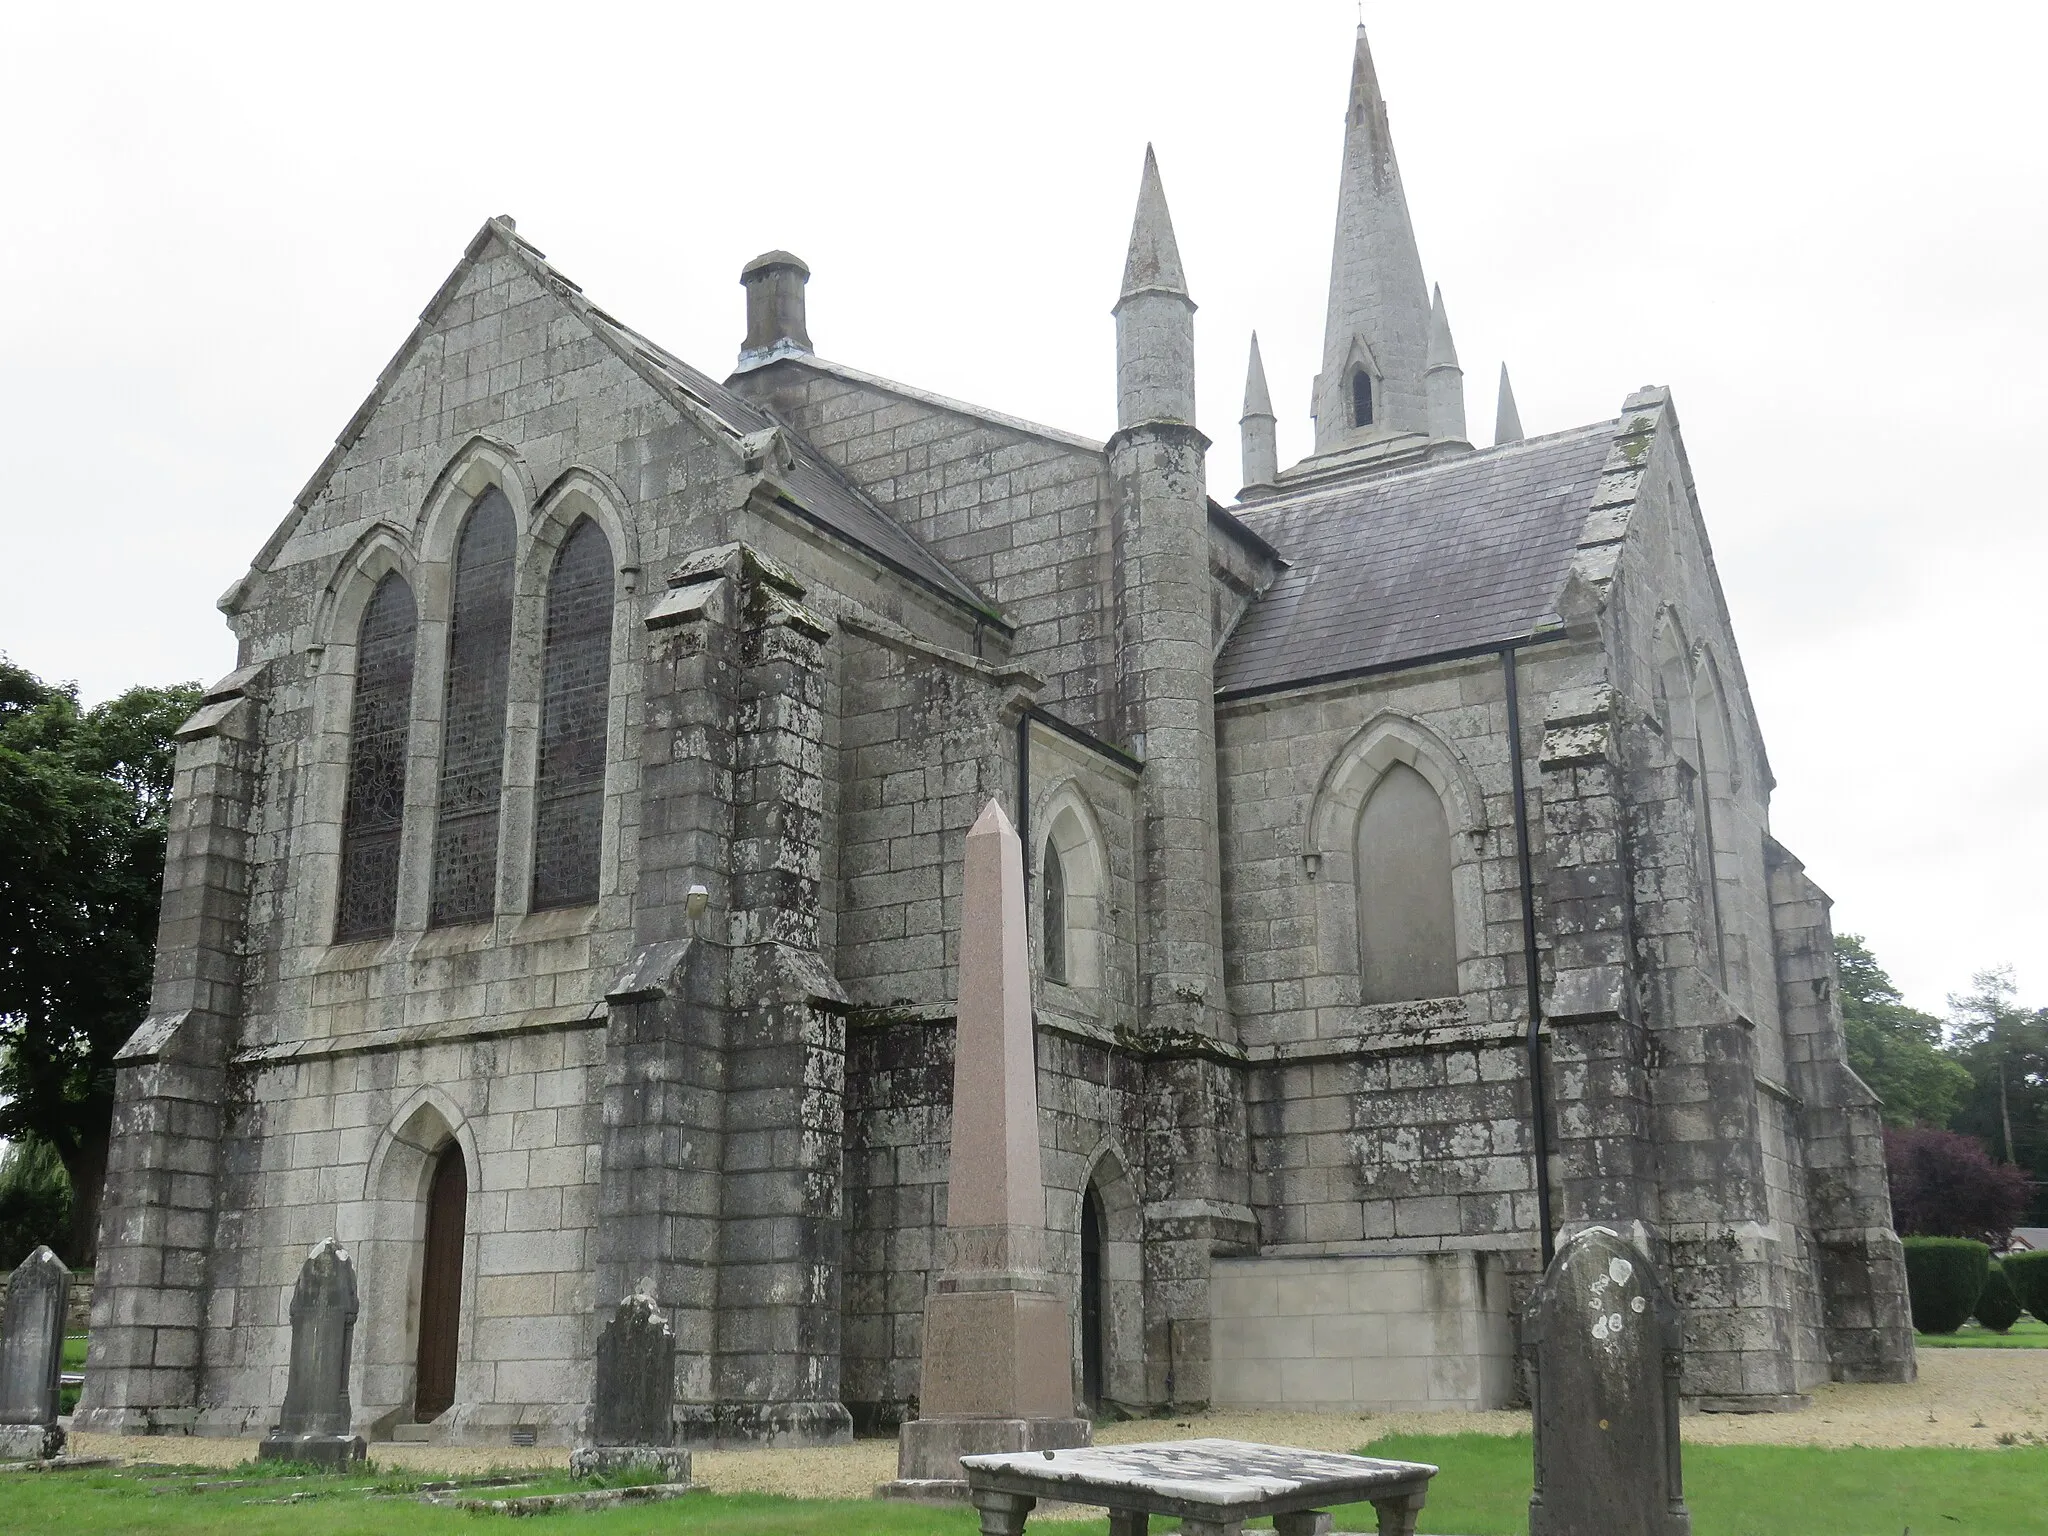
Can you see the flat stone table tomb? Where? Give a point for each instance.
(1211, 1486)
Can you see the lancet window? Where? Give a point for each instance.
(374, 810)
(473, 719)
(575, 692)
(1361, 398)
(1407, 928)
(1052, 886)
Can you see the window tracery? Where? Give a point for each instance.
(473, 716)
(575, 695)
(379, 721)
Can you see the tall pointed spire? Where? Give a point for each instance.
(1378, 323)
(1445, 380)
(1258, 432)
(1155, 318)
(1507, 421)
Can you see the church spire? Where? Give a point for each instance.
(1376, 340)
(1155, 318)
(1445, 380)
(1258, 434)
(1507, 421)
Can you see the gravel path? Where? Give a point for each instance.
(1964, 1397)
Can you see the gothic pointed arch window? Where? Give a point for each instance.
(576, 669)
(1052, 889)
(465, 888)
(1361, 398)
(374, 810)
(1407, 927)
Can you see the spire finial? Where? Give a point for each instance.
(1258, 433)
(1507, 421)
(1153, 265)
(1443, 352)
(1155, 318)
(1257, 400)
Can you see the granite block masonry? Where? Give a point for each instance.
(314, 1424)
(632, 1410)
(755, 653)
(998, 1357)
(32, 1357)
(1605, 1341)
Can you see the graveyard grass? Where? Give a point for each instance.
(1483, 1490)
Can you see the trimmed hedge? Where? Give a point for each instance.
(1997, 1307)
(1944, 1278)
(2028, 1275)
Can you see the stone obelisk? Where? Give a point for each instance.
(998, 1340)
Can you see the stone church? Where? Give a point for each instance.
(564, 891)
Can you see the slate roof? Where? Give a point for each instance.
(1445, 558)
(818, 486)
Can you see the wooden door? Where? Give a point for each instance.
(441, 1285)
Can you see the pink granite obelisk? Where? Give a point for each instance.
(998, 1339)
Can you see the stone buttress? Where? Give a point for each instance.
(174, 1091)
(725, 1058)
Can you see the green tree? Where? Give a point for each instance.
(2005, 1048)
(1897, 1050)
(83, 796)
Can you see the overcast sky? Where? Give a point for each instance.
(1822, 225)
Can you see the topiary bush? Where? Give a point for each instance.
(1998, 1308)
(2027, 1274)
(1944, 1278)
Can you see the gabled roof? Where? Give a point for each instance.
(814, 489)
(1448, 558)
(817, 488)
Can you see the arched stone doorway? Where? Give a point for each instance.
(441, 1285)
(414, 1264)
(1094, 1240)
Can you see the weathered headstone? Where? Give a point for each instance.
(314, 1423)
(32, 1357)
(632, 1416)
(998, 1341)
(1604, 1341)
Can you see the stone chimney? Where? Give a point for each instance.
(775, 306)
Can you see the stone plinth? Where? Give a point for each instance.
(998, 1340)
(32, 1358)
(1605, 1342)
(314, 1423)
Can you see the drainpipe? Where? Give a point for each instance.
(1539, 1099)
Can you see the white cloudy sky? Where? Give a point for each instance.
(1821, 224)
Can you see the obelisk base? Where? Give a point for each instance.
(928, 1455)
(998, 1376)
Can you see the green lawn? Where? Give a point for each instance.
(1483, 1491)
(1753, 1490)
(2027, 1333)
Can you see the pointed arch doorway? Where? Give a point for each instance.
(1094, 1240)
(441, 1285)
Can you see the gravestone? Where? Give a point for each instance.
(998, 1340)
(314, 1423)
(1604, 1342)
(32, 1358)
(632, 1412)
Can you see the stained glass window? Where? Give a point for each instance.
(375, 808)
(575, 692)
(473, 719)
